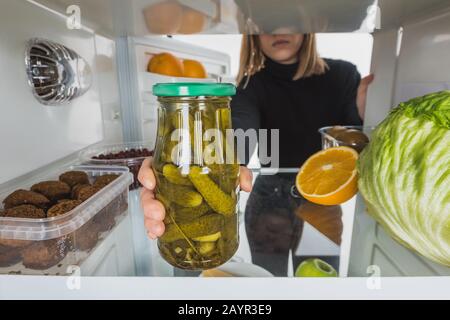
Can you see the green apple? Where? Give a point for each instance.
(315, 268)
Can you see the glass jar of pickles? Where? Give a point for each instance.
(197, 174)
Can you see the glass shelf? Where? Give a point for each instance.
(279, 229)
(153, 17)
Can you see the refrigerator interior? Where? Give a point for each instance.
(410, 58)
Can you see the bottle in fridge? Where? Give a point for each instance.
(197, 174)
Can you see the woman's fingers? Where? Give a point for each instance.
(146, 176)
(362, 94)
(367, 80)
(151, 236)
(154, 212)
(154, 228)
(152, 208)
(246, 179)
(146, 195)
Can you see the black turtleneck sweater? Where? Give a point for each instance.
(272, 100)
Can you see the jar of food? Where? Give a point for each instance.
(197, 174)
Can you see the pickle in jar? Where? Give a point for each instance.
(216, 198)
(203, 226)
(182, 214)
(179, 194)
(173, 175)
(196, 180)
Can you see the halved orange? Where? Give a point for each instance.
(329, 177)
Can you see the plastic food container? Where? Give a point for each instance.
(197, 178)
(133, 163)
(49, 246)
(330, 140)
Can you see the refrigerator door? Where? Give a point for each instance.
(408, 62)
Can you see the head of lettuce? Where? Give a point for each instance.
(404, 175)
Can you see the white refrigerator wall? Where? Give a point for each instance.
(415, 63)
(34, 135)
(106, 70)
(424, 62)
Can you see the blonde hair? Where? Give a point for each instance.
(252, 58)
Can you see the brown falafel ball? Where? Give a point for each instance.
(45, 254)
(86, 237)
(14, 244)
(76, 190)
(25, 211)
(53, 190)
(105, 218)
(9, 256)
(62, 208)
(72, 178)
(20, 197)
(63, 200)
(85, 192)
(103, 181)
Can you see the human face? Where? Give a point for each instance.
(281, 48)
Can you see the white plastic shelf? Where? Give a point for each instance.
(148, 80)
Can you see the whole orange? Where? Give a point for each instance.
(164, 17)
(194, 69)
(193, 21)
(166, 64)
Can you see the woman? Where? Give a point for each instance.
(282, 84)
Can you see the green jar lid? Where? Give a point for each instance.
(193, 89)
